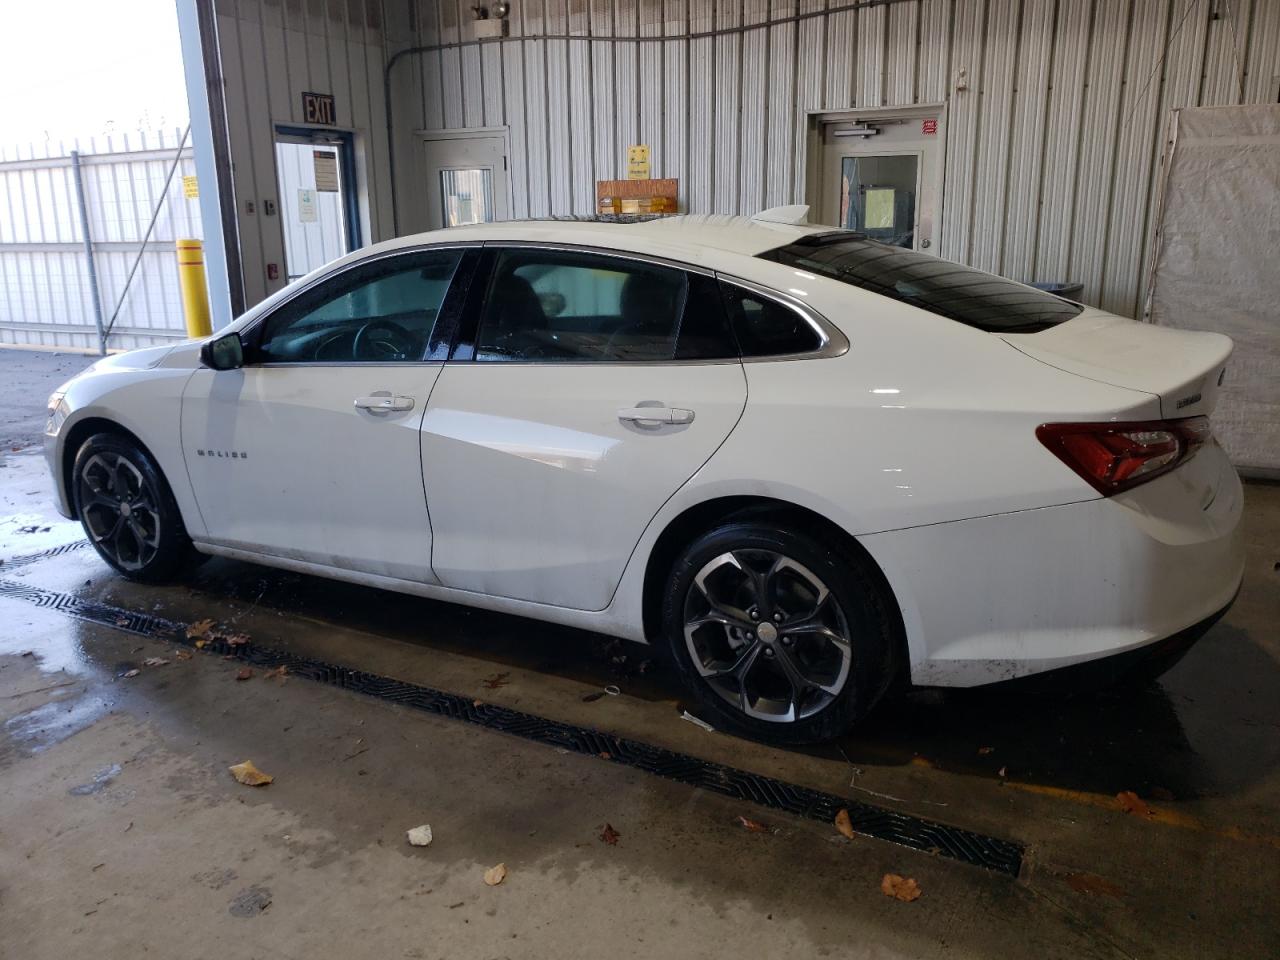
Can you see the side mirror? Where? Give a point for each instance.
(224, 353)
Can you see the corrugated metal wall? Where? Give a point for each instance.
(45, 296)
(271, 52)
(1056, 108)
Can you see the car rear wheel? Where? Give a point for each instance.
(128, 511)
(780, 636)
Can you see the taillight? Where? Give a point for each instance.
(1118, 456)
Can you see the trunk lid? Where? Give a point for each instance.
(1183, 368)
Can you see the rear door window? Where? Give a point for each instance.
(553, 305)
(951, 290)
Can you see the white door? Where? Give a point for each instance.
(590, 390)
(466, 180)
(310, 451)
(882, 178)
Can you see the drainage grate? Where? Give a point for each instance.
(965, 846)
(57, 551)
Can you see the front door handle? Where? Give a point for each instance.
(655, 415)
(384, 403)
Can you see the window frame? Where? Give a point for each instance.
(446, 317)
(833, 343)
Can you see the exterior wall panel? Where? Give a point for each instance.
(1056, 110)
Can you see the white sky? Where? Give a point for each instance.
(86, 67)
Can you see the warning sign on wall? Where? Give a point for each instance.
(190, 188)
(929, 128)
(326, 163)
(638, 162)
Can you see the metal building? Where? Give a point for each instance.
(1021, 136)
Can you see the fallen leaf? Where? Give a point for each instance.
(477, 703)
(609, 835)
(130, 674)
(420, 836)
(236, 639)
(755, 826)
(1130, 802)
(199, 630)
(1093, 884)
(496, 681)
(278, 674)
(606, 755)
(154, 662)
(983, 751)
(183, 654)
(843, 825)
(900, 888)
(200, 644)
(250, 775)
(495, 875)
(244, 673)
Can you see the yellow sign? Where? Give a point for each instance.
(190, 188)
(638, 162)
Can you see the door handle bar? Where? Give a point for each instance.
(384, 403)
(655, 415)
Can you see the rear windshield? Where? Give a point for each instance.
(948, 289)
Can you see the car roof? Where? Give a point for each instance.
(685, 236)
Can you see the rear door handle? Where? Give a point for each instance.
(384, 402)
(655, 415)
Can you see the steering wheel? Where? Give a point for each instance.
(383, 340)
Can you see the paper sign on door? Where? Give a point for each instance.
(307, 212)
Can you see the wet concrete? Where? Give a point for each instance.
(121, 829)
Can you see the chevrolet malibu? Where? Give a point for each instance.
(804, 464)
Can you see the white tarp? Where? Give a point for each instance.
(1217, 263)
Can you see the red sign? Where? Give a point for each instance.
(929, 128)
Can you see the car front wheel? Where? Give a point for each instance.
(128, 510)
(781, 636)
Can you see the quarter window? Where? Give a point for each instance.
(564, 306)
(766, 328)
(377, 312)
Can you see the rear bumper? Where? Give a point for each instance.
(1014, 595)
(1146, 662)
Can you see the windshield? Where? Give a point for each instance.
(948, 289)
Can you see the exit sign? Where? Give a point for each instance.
(318, 108)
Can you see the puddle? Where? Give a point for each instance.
(101, 780)
(39, 729)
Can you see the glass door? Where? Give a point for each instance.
(315, 172)
(880, 175)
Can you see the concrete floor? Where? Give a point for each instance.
(122, 832)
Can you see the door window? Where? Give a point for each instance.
(466, 196)
(563, 306)
(382, 311)
(878, 197)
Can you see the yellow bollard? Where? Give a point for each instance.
(195, 296)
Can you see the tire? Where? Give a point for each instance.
(128, 511)
(758, 607)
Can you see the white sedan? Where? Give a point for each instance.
(802, 463)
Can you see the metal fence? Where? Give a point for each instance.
(46, 294)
